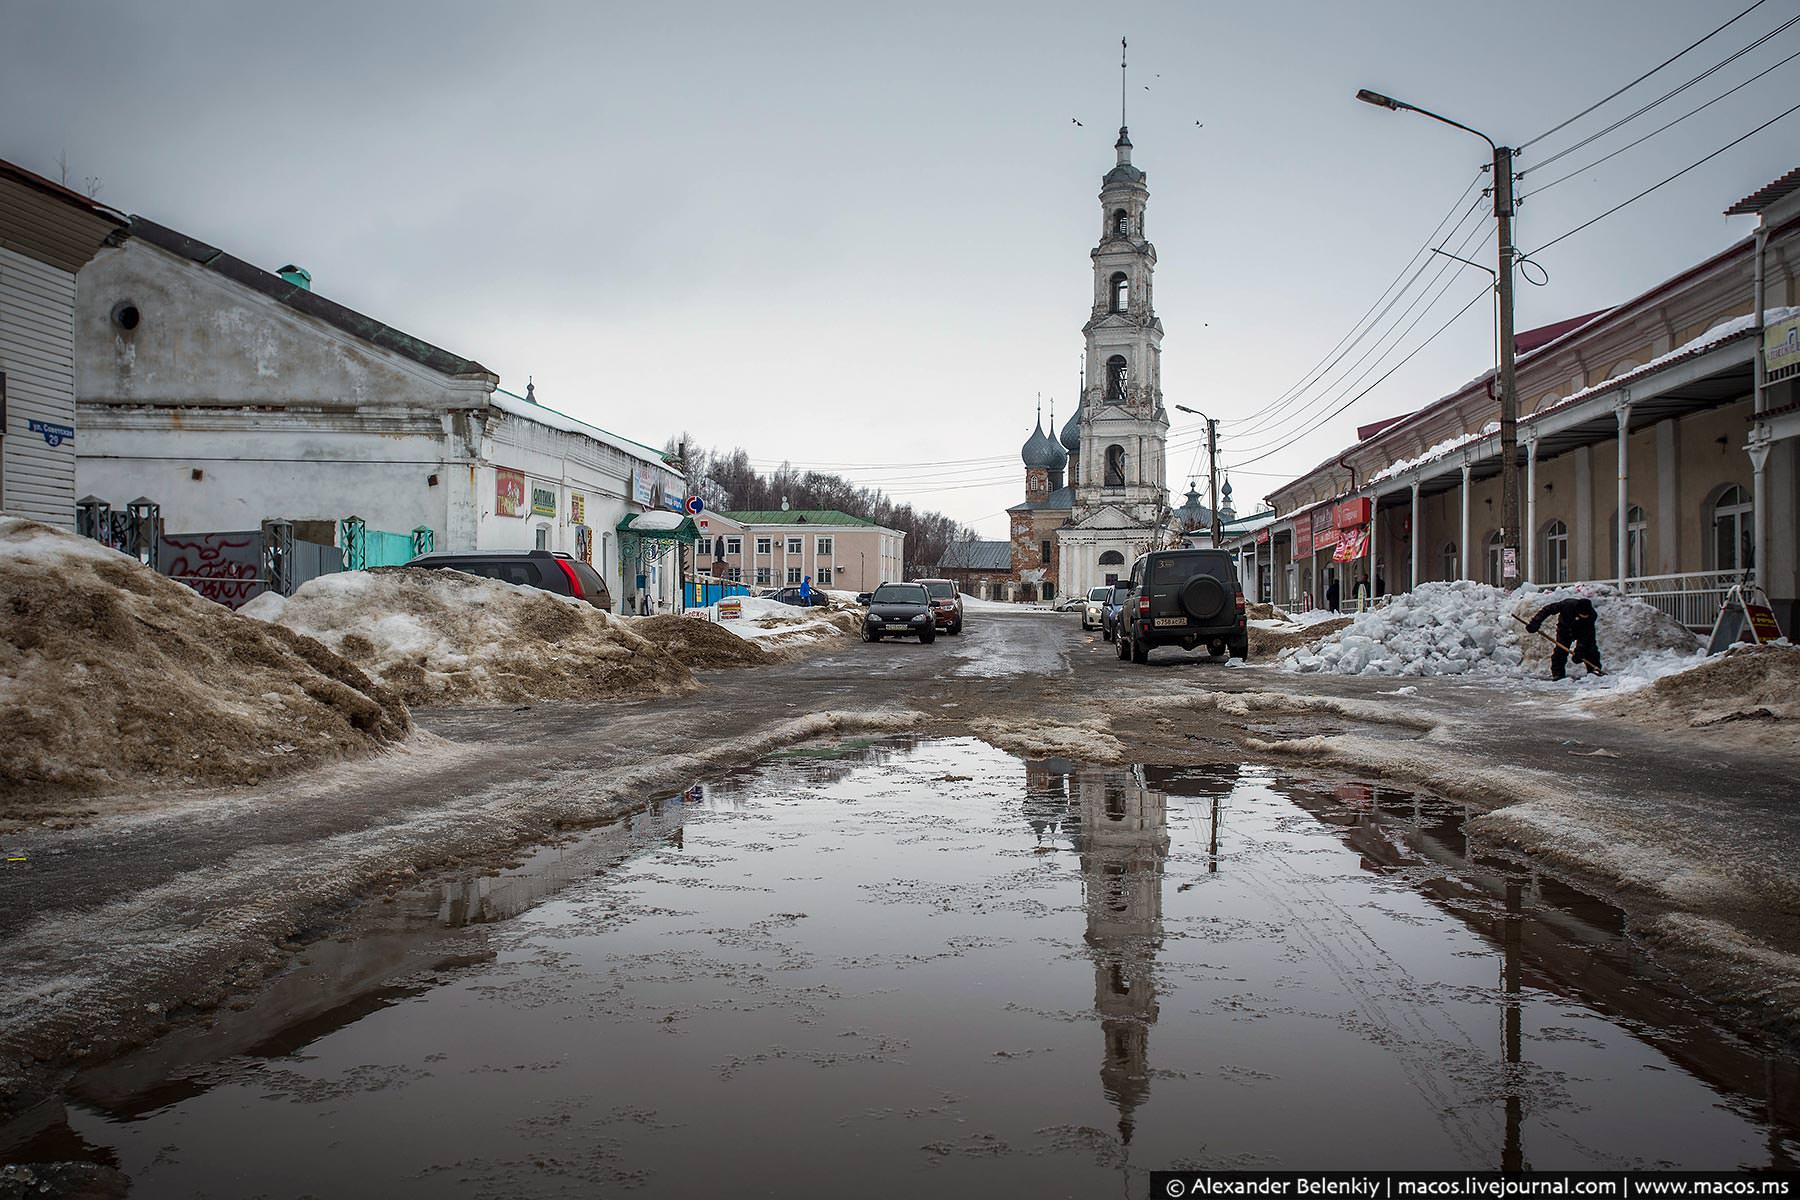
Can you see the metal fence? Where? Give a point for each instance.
(1693, 597)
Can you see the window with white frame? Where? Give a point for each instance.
(735, 574)
(794, 546)
(793, 575)
(824, 576)
(703, 548)
(1733, 534)
(734, 545)
(765, 545)
(1556, 553)
(763, 577)
(822, 547)
(543, 537)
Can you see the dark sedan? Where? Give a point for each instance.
(900, 610)
(1109, 618)
(791, 595)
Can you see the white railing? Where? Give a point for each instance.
(1693, 597)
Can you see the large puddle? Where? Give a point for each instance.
(904, 969)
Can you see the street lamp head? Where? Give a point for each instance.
(1193, 412)
(1376, 98)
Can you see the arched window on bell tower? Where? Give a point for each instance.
(1120, 290)
(1121, 223)
(1117, 376)
(1115, 467)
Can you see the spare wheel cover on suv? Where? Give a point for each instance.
(1203, 597)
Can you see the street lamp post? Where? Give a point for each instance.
(1509, 400)
(1212, 468)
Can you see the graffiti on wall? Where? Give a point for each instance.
(225, 567)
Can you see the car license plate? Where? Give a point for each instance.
(899, 628)
(1171, 621)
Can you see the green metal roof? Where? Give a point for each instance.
(797, 516)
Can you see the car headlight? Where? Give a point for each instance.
(921, 617)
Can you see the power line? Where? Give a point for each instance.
(1647, 74)
(1668, 95)
(1356, 330)
(1386, 346)
(1544, 187)
(1473, 300)
(1671, 179)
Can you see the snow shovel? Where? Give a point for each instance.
(1584, 662)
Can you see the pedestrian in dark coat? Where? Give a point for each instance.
(1331, 594)
(1574, 629)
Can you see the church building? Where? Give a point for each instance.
(1114, 508)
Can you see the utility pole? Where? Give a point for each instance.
(1510, 541)
(1212, 469)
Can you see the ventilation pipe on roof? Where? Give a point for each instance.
(300, 277)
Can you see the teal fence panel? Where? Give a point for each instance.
(383, 549)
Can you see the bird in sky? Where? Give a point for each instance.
(1078, 122)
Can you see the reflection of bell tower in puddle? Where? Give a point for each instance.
(1122, 835)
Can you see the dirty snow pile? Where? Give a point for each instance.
(1462, 627)
(113, 678)
(786, 627)
(443, 637)
(698, 642)
(1753, 690)
(1271, 637)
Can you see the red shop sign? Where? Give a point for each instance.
(1262, 536)
(1352, 514)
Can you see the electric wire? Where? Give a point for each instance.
(1647, 74)
(1473, 300)
(1653, 187)
(1544, 187)
(1381, 349)
(1668, 95)
(1326, 361)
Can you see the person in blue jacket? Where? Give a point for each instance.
(806, 592)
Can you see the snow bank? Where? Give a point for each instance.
(697, 642)
(1464, 627)
(114, 678)
(443, 637)
(777, 627)
(1751, 692)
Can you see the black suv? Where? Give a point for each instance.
(550, 570)
(1183, 598)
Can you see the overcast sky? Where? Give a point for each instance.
(856, 236)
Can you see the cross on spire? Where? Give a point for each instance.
(1121, 83)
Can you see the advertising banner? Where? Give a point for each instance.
(1303, 537)
(1781, 350)
(1351, 546)
(509, 493)
(577, 509)
(1324, 533)
(543, 501)
(643, 486)
(1352, 513)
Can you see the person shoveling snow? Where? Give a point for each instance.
(1575, 619)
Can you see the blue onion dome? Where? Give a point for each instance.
(1042, 451)
(1071, 433)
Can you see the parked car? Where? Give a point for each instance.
(791, 595)
(863, 598)
(550, 570)
(1109, 621)
(946, 604)
(1070, 604)
(1186, 598)
(900, 610)
(1093, 609)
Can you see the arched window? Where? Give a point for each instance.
(1556, 553)
(1115, 467)
(1112, 558)
(1452, 565)
(1121, 222)
(1493, 557)
(1733, 534)
(1120, 290)
(1637, 543)
(1117, 377)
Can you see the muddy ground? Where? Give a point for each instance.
(168, 916)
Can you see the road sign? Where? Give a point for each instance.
(693, 505)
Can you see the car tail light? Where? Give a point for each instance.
(1238, 600)
(574, 580)
(1143, 606)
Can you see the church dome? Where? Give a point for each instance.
(1041, 450)
(1071, 433)
(1193, 515)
